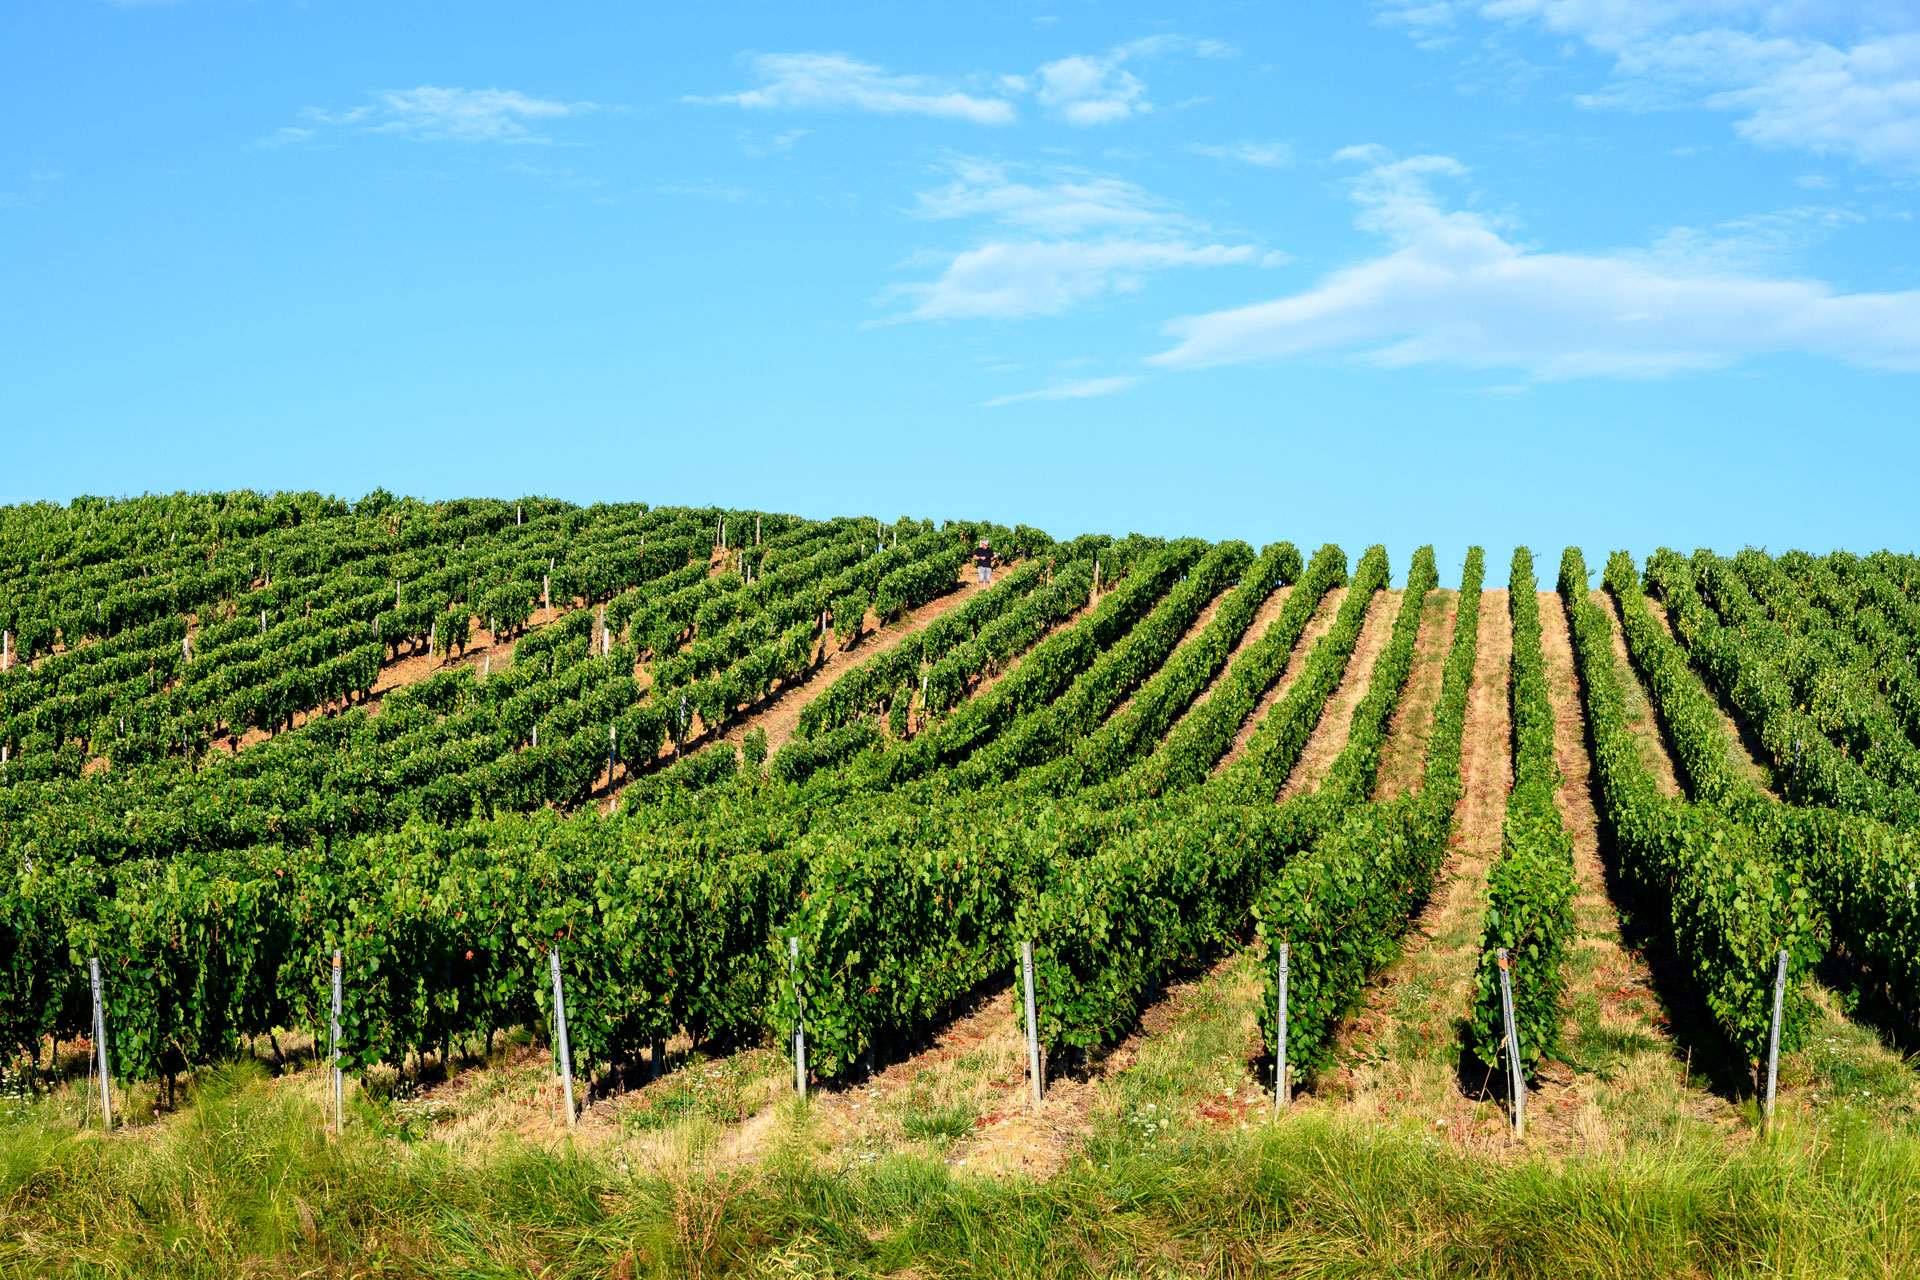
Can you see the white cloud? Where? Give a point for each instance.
(1090, 89)
(1267, 155)
(760, 148)
(433, 114)
(1083, 89)
(285, 136)
(1076, 236)
(1086, 90)
(32, 187)
(793, 81)
(1013, 278)
(1069, 391)
(1451, 289)
(1813, 75)
(1062, 202)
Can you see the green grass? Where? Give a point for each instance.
(938, 1123)
(242, 1182)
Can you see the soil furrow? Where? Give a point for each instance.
(1744, 751)
(1401, 1055)
(1655, 752)
(1403, 760)
(1336, 718)
(1317, 626)
(1618, 1074)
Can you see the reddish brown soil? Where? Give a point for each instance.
(1403, 761)
(1744, 751)
(1317, 626)
(1262, 619)
(1655, 751)
(1336, 718)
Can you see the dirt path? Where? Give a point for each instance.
(1200, 624)
(1403, 760)
(1621, 1075)
(1744, 751)
(484, 652)
(1262, 619)
(779, 712)
(1330, 734)
(1655, 752)
(1317, 626)
(1401, 1055)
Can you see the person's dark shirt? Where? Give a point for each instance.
(983, 556)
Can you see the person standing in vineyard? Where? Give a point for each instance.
(983, 561)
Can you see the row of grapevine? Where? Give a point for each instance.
(1139, 728)
(1712, 883)
(1115, 674)
(1107, 927)
(1832, 677)
(1736, 658)
(1202, 736)
(1341, 906)
(1879, 618)
(1530, 888)
(1850, 872)
(861, 690)
(1275, 747)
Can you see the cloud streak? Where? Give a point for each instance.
(1451, 289)
(826, 81)
(1067, 237)
(1825, 78)
(1265, 155)
(1083, 89)
(431, 113)
(1069, 391)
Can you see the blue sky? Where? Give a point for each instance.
(1534, 270)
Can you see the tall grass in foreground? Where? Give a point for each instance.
(242, 1182)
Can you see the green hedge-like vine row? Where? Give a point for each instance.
(1341, 907)
(1714, 884)
(1530, 889)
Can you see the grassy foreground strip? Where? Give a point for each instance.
(1312, 1197)
(1530, 890)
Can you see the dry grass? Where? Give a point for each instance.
(1336, 718)
(1403, 761)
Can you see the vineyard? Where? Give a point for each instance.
(782, 803)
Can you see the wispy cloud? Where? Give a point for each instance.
(434, 114)
(1076, 237)
(1053, 201)
(759, 148)
(29, 188)
(1452, 289)
(1827, 78)
(1069, 391)
(799, 81)
(1008, 279)
(1082, 89)
(1096, 89)
(1267, 155)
